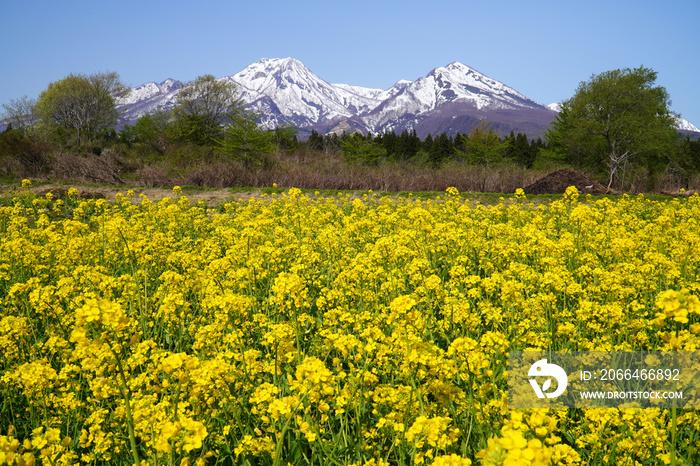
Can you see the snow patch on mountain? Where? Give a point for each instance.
(150, 90)
(146, 98)
(458, 85)
(285, 91)
(300, 95)
(685, 125)
(366, 92)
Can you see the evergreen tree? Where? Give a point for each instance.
(356, 148)
(441, 150)
(286, 138)
(427, 144)
(315, 141)
(408, 145)
(511, 151)
(245, 140)
(331, 143)
(389, 142)
(525, 151)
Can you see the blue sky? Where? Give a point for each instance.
(542, 48)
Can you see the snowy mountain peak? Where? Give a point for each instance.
(150, 90)
(268, 72)
(170, 84)
(685, 125)
(471, 85)
(280, 62)
(457, 82)
(277, 66)
(453, 98)
(460, 67)
(286, 90)
(457, 69)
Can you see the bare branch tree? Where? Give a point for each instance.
(20, 112)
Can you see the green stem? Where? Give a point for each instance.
(280, 440)
(127, 405)
(674, 424)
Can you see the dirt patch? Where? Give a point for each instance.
(557, 182)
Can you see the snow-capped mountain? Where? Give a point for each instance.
(449, 99)
(453, 99)
(147, 98)
(458, 82)
(300, 97)
(685, 125)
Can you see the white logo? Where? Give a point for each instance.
(541, 368)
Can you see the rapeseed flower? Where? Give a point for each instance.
(372, 329)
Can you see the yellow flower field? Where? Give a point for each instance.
(333, 330)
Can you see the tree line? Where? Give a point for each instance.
(482, 146)
(616, 124)
(79, 113)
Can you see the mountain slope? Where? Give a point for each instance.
(453, 99)
(302, 98)
(686, 126)
(449, 99)
(147, 98)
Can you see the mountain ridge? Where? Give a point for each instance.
(451, 99)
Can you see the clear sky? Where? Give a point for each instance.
(542, 48)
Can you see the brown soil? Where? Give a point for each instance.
(557, 182)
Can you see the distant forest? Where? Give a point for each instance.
(432, 151)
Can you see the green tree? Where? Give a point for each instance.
(684, 162)
(408, 145)
(389, 142)
(356, 148)
(243, 139)
(483, 146)
(203, 106)
(152, 129)
(615, 120)
(331, 143)
(286, 138)
(442, 149)
(520, 151)
(525, 152)
(315, 141)
(83, 106)
(426, 144)
(691, 152)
